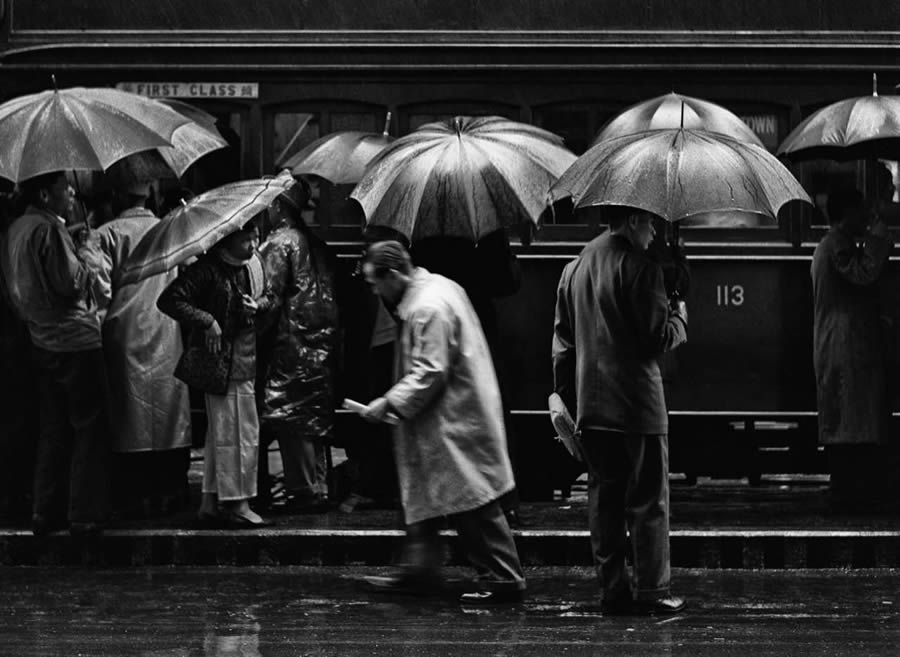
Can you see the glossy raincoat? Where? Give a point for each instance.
(451, 447)
(299, 349)
(149, 407)
(849, 347)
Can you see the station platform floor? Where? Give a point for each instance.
(784, 522)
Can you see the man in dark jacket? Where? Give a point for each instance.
(49, 286)
(613, 321)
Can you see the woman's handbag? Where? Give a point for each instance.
(202, 369)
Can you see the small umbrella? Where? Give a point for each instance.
(340, 157)
(676, 111)
(190, 142)
(465, 177)
(865, 127)
(79, 128)
(192, 112)
(680, 173)
(195, 227)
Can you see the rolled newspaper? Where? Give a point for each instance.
(356, 407)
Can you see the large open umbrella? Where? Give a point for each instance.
(195, 227)
(680, 173)
(79, 128)
(465, 177)
(865, 127)
(676, 111)
(340, 157)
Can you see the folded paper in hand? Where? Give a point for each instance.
(565, 426)
(356, 407)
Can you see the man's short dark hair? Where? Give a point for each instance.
(387, 255)
(31, 188)
(617, 215)
(841, 200)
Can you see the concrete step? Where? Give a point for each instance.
(691, 548)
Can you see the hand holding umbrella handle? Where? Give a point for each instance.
(213, 337)
(878, 228)
(678, 308)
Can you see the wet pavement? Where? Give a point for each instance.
(275, 612)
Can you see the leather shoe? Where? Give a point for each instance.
(659, 606)
(206, 520)
(404, 585)
(237, 521)
(484, 598)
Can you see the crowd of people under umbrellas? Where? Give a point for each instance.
(254, 328)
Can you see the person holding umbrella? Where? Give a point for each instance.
(49, 286)
(450, 443)
(217, 299)
(613, 321)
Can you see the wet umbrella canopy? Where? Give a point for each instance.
(676, 111)
(677, 174)
(340, 157)
(79, 128)
(190, 142)
(852, 129)
(465, 177)
(196, 226)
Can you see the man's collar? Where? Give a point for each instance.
(622, 237)
(34, 209)
(415, 280)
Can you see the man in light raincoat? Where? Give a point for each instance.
(149, 409)
(450, 444)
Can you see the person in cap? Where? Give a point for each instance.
(49, 286)
(297, 400)
(450, 444)
(218, 299)
(149, 411)
(613, 322)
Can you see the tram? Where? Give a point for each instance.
(278, 74)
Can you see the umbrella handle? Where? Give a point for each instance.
(387, 124)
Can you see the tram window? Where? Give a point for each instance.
(577, 127)
(291, 132)
(413, 118)
(357, 121)
(820, 177)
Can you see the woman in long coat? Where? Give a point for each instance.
(298, 399)
(218, 300)
(850, 356)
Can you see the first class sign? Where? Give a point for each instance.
(211, 90)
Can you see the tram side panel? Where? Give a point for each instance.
(747, 363)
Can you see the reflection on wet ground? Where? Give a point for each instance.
(173, 612)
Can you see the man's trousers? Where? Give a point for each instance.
(74, 445)
(628, 488)
(486, 540)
